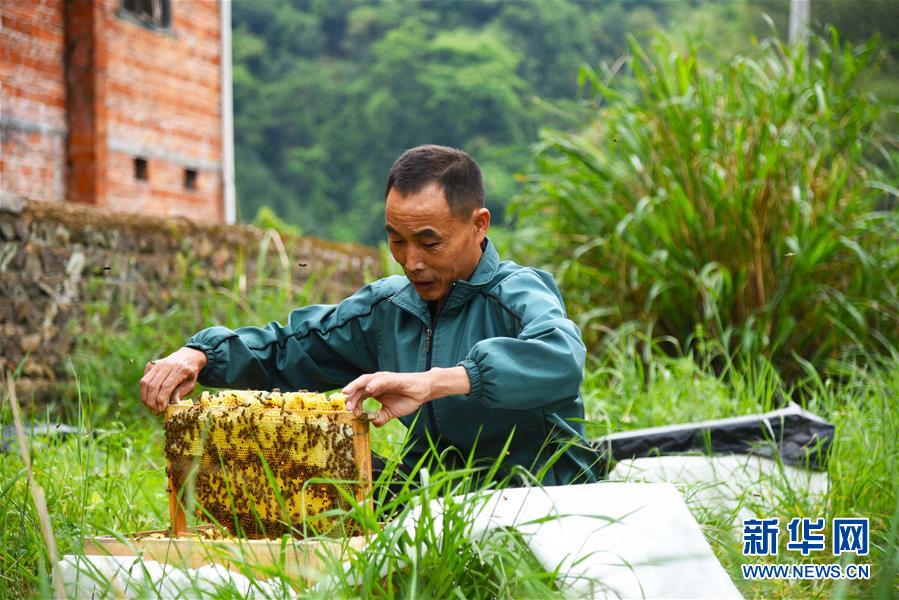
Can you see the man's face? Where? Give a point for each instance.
(434, 247)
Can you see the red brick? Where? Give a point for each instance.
(157, 90)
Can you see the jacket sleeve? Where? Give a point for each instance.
(543, 364)
(320, 348)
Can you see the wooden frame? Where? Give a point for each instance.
(362, 456)
(299, 559)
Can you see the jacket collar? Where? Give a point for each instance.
(487, 266)
(463, 289)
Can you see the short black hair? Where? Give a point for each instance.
(453, 170)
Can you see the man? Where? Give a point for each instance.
(466, 350)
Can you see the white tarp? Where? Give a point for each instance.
(615, 540)
(130, 577)
(742, 486)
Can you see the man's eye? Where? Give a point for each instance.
(397, 242)
(431, 244)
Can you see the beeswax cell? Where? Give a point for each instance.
(259, 457)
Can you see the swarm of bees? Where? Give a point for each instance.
(262, 464)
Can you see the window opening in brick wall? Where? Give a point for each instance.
(156, 14)
(190, 179)
(141, 168)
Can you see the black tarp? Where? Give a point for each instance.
(798, 437)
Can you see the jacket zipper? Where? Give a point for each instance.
(429, 356)
(432, 418)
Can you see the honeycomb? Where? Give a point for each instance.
(231, 439)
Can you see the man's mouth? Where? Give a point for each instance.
(423, 285)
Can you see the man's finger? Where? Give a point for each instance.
(159, 378)
(388, 383)
(355, 391)
(355, 404)
(147, 386)
(382, 419)
(144, 395)
(380, 385)
(357, 384)
(174, 378)
(183, 390)
(354, 400)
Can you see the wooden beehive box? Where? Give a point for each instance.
(263, 464)
(303, 561)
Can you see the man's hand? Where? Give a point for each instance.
(171, 378)
(401, 394)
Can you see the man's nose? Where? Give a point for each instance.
(414, 261)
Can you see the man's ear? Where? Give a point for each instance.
(481, 222)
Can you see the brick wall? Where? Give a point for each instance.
(162, 102)
(32, 99)
(86, 89)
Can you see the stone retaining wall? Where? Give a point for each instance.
(57, 257)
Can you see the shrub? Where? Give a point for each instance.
(266, 218)
(751, 202)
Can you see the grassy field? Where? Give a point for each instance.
(644, 219)
(624, 391)
(111, 478)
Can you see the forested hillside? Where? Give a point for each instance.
(327, 94)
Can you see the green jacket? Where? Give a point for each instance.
(506, 325)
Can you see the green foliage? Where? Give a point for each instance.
(107, 479)
(266, 218)
(328, 94)
(744, 202)
(441, 555)
(112, 480)
(197, 304)
(631, 383)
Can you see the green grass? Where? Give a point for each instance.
(624, 390)
(111, 479)
(113, 482)
(749, 200)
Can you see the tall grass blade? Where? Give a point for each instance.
(37, 493)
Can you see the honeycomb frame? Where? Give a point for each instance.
(225, 450)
